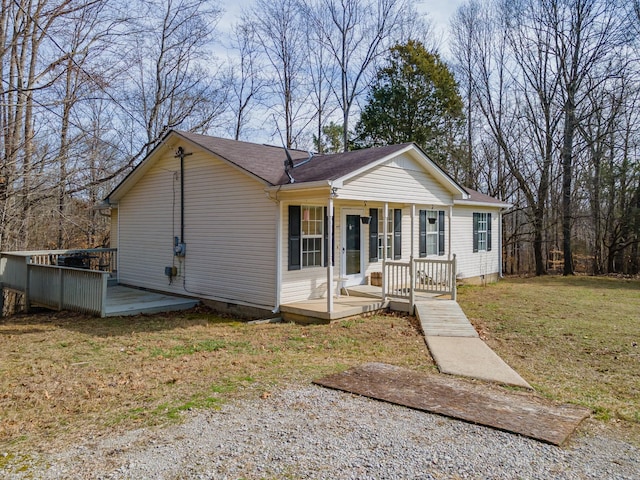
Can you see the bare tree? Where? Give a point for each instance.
(281, 35)
(172, 78)
(356, 34)
(587, 35)
(247, 82)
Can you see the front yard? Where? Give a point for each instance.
(63, 376)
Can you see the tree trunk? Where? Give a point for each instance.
(567, 177)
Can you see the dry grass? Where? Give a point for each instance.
(64, 375)
(574, 339)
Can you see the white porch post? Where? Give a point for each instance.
(279, 247)
(411, 263)
(500, 244)
(330, 254)
(385, 216)
(450, 215)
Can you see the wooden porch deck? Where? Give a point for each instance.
(123, 301)
(356, 300)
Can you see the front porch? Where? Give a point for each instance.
(403, 285)
(355, 301)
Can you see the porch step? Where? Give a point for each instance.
(315, 311)
(364, 291)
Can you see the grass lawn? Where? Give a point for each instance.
(63, 376)
(575, 340)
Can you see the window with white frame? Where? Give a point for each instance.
(482, 232)
(381, 234)
(312, 227)
(432, 232)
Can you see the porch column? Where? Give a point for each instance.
(411, 264)
(500, 244)
(450, 215)
(385, 216)
(330, 254)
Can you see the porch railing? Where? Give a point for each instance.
(43, 279)
(404, 279)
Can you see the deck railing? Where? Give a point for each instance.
(435, 276)
(403, 279)
(41, 278)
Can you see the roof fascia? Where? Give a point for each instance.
(290, 187)
(472, 203)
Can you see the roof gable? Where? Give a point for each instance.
(266, 163)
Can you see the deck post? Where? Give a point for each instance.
(61, 286)
(412, 264)
(27, 261)
(453, 278)
(385, 217)
(330, 254)
(103, 305)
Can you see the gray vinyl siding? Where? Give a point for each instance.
(230, 232)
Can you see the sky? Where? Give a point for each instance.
(438, 11)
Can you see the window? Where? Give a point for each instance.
(431, 233)
(312, 236)
(376, 234)
(481, 232)
(308, 239)
(381, 234)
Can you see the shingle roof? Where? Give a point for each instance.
(263, 161)
(475, 196)
(267, 162)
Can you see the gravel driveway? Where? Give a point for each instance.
(318, 433)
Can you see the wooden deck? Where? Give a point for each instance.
(354, 301)
(122, 301)
(315, 311)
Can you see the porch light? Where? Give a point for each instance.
(365, 220)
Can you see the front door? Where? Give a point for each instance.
(352, 266)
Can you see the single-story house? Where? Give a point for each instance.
(244, 224)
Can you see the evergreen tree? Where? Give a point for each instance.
(413, 99)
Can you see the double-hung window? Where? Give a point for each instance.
(481, 232)
(308, 240)
(431, 232)
(381, 234)
(312, 236)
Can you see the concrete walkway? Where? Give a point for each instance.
(456, 347)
